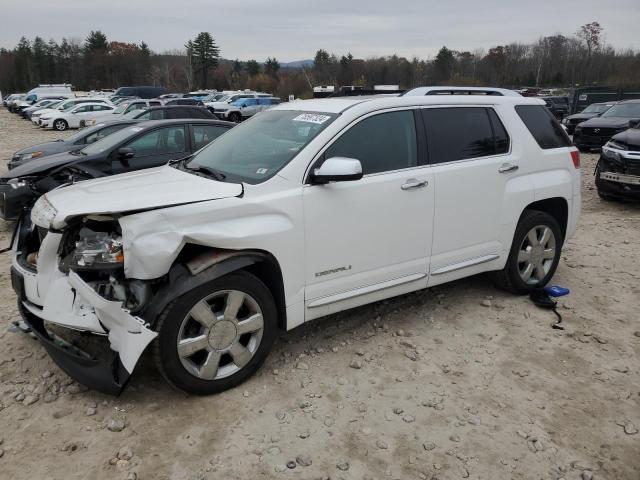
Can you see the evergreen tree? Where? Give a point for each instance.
(204, 55)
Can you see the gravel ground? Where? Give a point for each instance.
(458, 381)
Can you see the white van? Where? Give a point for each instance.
(49, 90)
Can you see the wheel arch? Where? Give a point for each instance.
(197, 265)
(557, 207)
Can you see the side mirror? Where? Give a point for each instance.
(634, 123)
(337, 169)
(125, 153)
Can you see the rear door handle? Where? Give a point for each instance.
(507, 167)
(413, 183)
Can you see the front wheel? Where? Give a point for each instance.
(235, 117)
(216, 336)
(60, 125)
(534, 255)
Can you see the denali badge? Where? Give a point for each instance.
(333, 270)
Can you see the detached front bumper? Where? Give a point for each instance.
(51, 297)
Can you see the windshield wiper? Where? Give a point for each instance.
(212, 172)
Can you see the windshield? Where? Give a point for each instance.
(67, 106)
(120, 108)
(257, 149)
(108, 142)
(595, 108)
(55, 104)
(83, 133)
(627, 110)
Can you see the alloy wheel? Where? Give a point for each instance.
(536, 254)
(220, 334)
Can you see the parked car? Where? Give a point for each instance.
(65, 106)
(123, 109)
(10, 98)
(224, 101)
(169, 96)
(595, 132)
(558, 106)
(75, 117)
(246, 107)
(135, 147)
(593, 110)
(44, 103)
(185, 101)
(77, 141)
(14, 99)
(118, 100)
(172, 112)
(142, 92)
(19, 107)
(310, 208)
(617, 174)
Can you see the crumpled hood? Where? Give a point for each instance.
(143, 190)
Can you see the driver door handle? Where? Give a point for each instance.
(507, 167)
(413, 183)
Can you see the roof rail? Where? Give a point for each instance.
(444, 90)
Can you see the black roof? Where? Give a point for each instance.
(155, 123)
(173, 107)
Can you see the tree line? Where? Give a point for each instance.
(558, 60)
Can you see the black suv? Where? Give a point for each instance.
(559, 106)
(593, 110)
(618, 170)
(594, 133)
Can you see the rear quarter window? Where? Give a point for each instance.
(543, 126)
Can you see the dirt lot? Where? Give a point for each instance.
(459, 381)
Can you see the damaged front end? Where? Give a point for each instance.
(75, 280)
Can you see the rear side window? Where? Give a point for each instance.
(462, 133)
(382, 143)
(500, 135)
(543, 126)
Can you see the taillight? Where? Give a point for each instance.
(575, 156)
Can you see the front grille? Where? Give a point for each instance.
(599, 132)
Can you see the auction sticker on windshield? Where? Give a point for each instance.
(311, 118)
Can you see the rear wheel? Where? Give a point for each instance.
(60, 125)
(216, 336)
(534, 255)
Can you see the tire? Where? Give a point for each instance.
(191, 370)
(512, 277)
(234, 117)
(60, 125)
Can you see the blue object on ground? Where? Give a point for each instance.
(556, 291)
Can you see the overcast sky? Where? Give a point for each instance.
(295, 29)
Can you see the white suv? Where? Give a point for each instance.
(74, 117)
(307, 209)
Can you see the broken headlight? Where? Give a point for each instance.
(97, 250)
(43, 213)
